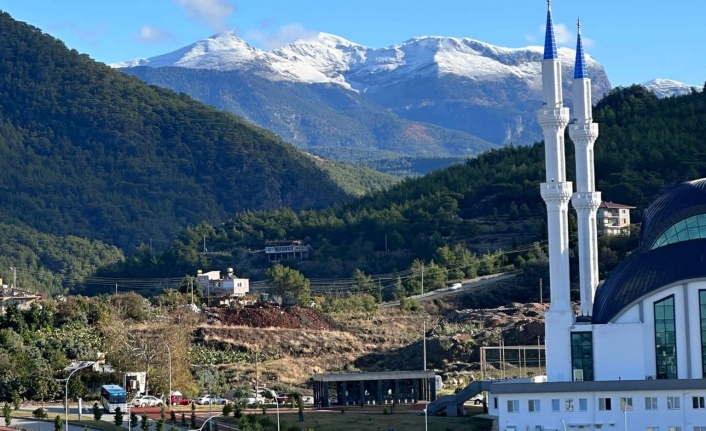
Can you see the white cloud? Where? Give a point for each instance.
(211, 12)
(282, 36)
(151, 34)
(563, 35)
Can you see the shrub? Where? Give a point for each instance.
(39, 413)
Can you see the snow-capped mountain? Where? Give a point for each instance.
(475, 89)
(666, 87)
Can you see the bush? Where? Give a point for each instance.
(97, 412)
(40, 413)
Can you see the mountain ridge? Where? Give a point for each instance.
(485, 92)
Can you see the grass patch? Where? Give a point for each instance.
(373, 420)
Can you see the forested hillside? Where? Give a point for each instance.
(490, 202)
(86, 150)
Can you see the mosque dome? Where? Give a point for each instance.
(672, 250)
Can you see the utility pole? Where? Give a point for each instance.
(14, 276)
(191, 284)
(116, 288)
(541, 297)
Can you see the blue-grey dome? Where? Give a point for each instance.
(672, 248)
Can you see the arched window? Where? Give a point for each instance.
(693, 227)
(665, 339)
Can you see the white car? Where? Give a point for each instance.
(146, 401)
(210, 399)
(478, 398)
(454, 286)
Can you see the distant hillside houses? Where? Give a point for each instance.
(613, 219)
(228, 287)
(278, 251)
(11, 295)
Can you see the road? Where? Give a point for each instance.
(466, 285)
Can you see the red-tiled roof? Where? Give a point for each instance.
(615, 206)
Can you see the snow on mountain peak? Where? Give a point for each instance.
(666, 87)
(326, 58)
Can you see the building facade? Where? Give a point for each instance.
(613, 219)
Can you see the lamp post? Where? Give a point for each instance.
(66, 391)
(277, 404)
(204, 423)
(169, 397)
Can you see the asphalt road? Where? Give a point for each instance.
(466, 286)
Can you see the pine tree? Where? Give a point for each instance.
(118, 419)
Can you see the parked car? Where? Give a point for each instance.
(210, 399)
(178, 399)
(146, 401)
(478, 398)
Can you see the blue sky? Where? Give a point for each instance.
(634, 40)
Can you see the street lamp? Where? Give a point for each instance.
(169, 397)
(204, 423)
(66, 390)
(277, 404)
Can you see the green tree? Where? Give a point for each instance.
(7, 414)
(133, 420)
(97, 412)
(118, 419)
(58, 423)
(172, 417)
(16, 400)
(145, 423)
(289, 282)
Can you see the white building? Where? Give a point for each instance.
(634, 356)
(213, 284)
(613, 219)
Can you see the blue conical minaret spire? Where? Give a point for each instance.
(580, 65)
(549, 41)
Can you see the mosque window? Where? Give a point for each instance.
(582, 354)
(665, 339)
(693, 227)
(702, 303)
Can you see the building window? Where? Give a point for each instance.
(495, 403)
(673, 403)
(665, 339)
(556, 404)
(693, 227)
(626, 404)
(700, 428)
(569, 404)
(513, 406)
(533, 406)
(582, 354)
(674, 429)
(604, 404)
(650, 403)
(702, 304)
(652, 429)
(583, 404)
(697, 402)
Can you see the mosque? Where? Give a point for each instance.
(634, 355)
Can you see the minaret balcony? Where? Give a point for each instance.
(583, 133)
(557, 117)
(558, 193)
(586, 201)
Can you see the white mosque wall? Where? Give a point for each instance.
(618, 352)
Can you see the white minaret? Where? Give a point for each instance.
(586, 199)
(556, 192)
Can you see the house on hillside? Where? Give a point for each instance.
(613, 219)
(229, 287)
(278, 251)
(12, 295)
